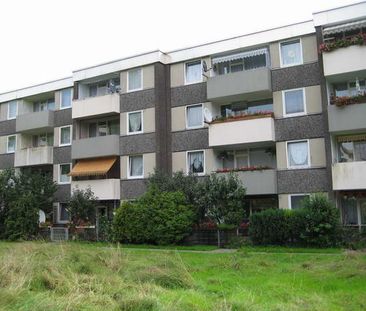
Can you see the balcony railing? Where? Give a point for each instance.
(95, 147)
(104, 189)
(34, 156)
(349, 175)
(35, 121)
(346, 119)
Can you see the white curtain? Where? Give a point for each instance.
(349, 211)
(290, 53)
(298, 153)
(193, 72)
(134, 122)
(195, 161)
(360, 150)
(136, 166)
(134, 79)
(294, 101)
(194, 116)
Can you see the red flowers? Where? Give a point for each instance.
(245, 116)
(347, 100)
(359, 39)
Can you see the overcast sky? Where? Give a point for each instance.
(43, 40)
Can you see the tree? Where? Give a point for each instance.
(82, 207)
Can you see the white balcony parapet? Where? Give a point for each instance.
(349, 175)
(34, 156)
(104, 189)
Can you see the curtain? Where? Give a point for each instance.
(294, 101)
(136, 166)
(349, 211)
(194, 116)
(360, 150)
(193, 72)
(290, 53)
(134, 79)
(65, 169)
(134, 123)
(195, 160)
(65, 135)
(298, 153)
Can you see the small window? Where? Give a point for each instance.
(297, 201)
(42, 140)
(65, 99)
(134, 122)
(12, 142)
(134, 80)
(63, 213)
(294, 103)
(12, 110)
(135, 167)
(291, 53)
(65, 135)
(298, 154)
(193, 72)
(196, 162)
(64, 178)
(194, 116)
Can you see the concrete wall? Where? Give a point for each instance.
(349, 176)
(95, 147)
(148, 81)
(34, 156)
(347, 119)
(149, 160)
(148, 121)
(35, 121)
(104, 189)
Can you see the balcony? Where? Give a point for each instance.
(96, 106)
(35, 121)
(241, 131)
(95, 147)
(244, 85)
(347, 118)
(349, 175)
(34, 156)
(344, 60)
(104, 189)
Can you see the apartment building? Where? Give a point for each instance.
(261, 105)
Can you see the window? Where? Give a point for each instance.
(349, 151)
(12, 110)
(353, 211)
(240, 108)
(135, 167)
(294, 102)
(42, 140)
(44, 105)
(194, 116)
(64, 178)
(134, 122)
(349, 89)
(193, 72)
(134, 80)
(12, 142)
(298, 154)
(103, 128)
(65, 99)
(65, 135)
(297, 200)
(245, 63)
(63, 213)
(291, 53)
(196, 162)
(104, 87)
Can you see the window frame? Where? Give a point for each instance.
(60, 136)
(295, 114)
(129, 166)
(16, 110)
(128, 122)
(287, 155)
(128, 80)
(71, 95)
(185, 71)
(186, 117)
(296, 195)
(59, 174)
(282, 65)
(59, 221)
(7, 143)
(204, 162)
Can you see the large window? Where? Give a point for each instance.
(11, 144)
(103, 128)
(349, 151)
(63, 213)
(350, 88)
(42, 140)
(193, 72)
(196, 162)
(44, 105)
(65, 135)
(104, 87)
(297, 200)
(194, 116)
(12, 110)
(291, 53)
(65, 169)
(240, 108)
(298, 154)
(135, 167)
(134, 80)
(134, 122)
(294, 102)
(246, 63)
(353, 211)
(66, 99)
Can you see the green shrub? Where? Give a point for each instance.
(156, 217)
(353, 238)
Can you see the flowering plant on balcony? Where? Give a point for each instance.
(341, 101)
(359, 39)
(243, 169)
(245, 116)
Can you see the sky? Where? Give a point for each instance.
(45, 40)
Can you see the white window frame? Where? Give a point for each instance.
(59, 138)
(296, 114)
(128, 79)
(7, 143)
(301, 53)
(296, 195)
(16, 110)
(72, 93)
(185, 73)
(287, 157)
(186, 117)
(204, 162)
(59, 175)
(128, 122)
(59, 221)
(128, 167)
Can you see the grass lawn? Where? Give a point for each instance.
(81, 276)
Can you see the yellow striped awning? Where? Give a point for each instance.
(93, 167)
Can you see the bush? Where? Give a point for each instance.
(353, 238)
(156, 217)
(82, 207)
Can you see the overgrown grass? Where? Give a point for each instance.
(73, 276)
